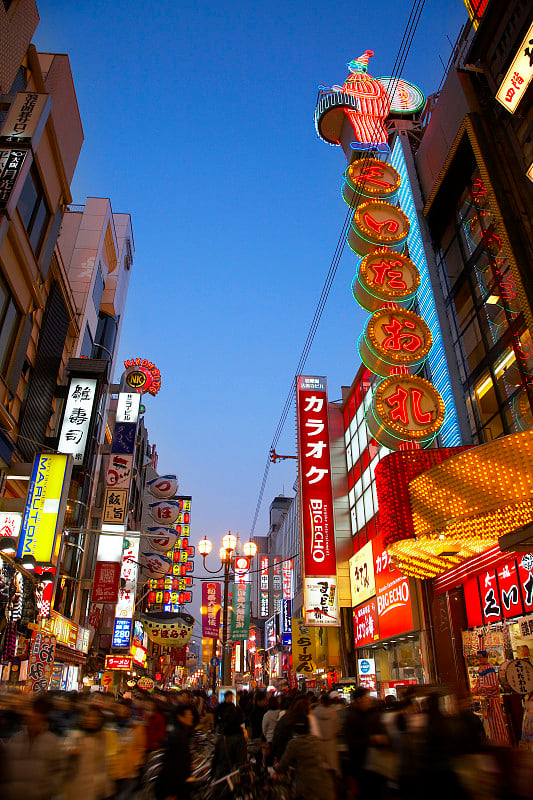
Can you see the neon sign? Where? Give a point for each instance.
(365, 102)
(142, 376)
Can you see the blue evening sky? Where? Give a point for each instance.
(198, 121)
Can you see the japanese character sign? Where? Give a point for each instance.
(77, 418)
(162, 539)
(303, 648)
(385, 276)
(165, 511)
(375, 224)
(365, 624)
(405, 407)
(362, 579)
(518, 77)
(321, 602)
(115, 506)
(164, 486)
(119, 471)
(41, 661)
(370, 177)
(394, 338)
(170, 630)
(315, 477)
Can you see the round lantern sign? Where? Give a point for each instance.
(385, 276)
(166, 511)
(378, 224)
(156, 564)
(370, 178)
(162, 539)
(164, 486)
(145, 683)
(405, 408)
(171, 630)
(392, 338)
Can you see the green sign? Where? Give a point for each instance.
(240, 611)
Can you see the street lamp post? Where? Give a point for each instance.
(226, 555)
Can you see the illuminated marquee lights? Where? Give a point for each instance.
(462, 506)
(385, 277)
(393, 338)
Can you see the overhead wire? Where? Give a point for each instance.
(399, 63)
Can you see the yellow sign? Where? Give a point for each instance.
(303, 648)
(115, 506)
(362, 580)
(44, 512)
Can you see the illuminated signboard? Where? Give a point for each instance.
(128, 574)
(316, 510)
(518, 76)
(122, 633)
(142, 376)
(385, 277)
(362, 581)
(45, 507)
(128, 407)
(211, 604)
(393, 594)
(270, 633)
(321, 598)
(115, 506)
(118, 662)
(287, 570)
(163, 487)
(365, 624)
(77, 418)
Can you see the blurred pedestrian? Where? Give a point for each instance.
(172, 781)
(33, 757)
(304, 752)
(88, 763)
(327, 720)
(268, 726)
(130, 753)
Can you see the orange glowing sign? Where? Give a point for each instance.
(375, 224)
(405, 408)
(383, 277)
(394, 337)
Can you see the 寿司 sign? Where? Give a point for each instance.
(315, 477)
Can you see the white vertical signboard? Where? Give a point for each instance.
(77, 418)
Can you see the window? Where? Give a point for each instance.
(87, 346)
(34, 210)
(9, 323)
(98, 288)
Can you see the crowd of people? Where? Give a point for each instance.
(69, 746)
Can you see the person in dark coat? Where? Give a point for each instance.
(171, 782)
(230, 747)
(256, 715)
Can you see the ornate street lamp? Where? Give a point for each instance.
(226, 555)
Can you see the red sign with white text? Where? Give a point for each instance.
(501, 592)
(118, 662)
(106, 582)
(365, 624)
(315, 477)
(393, 594)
